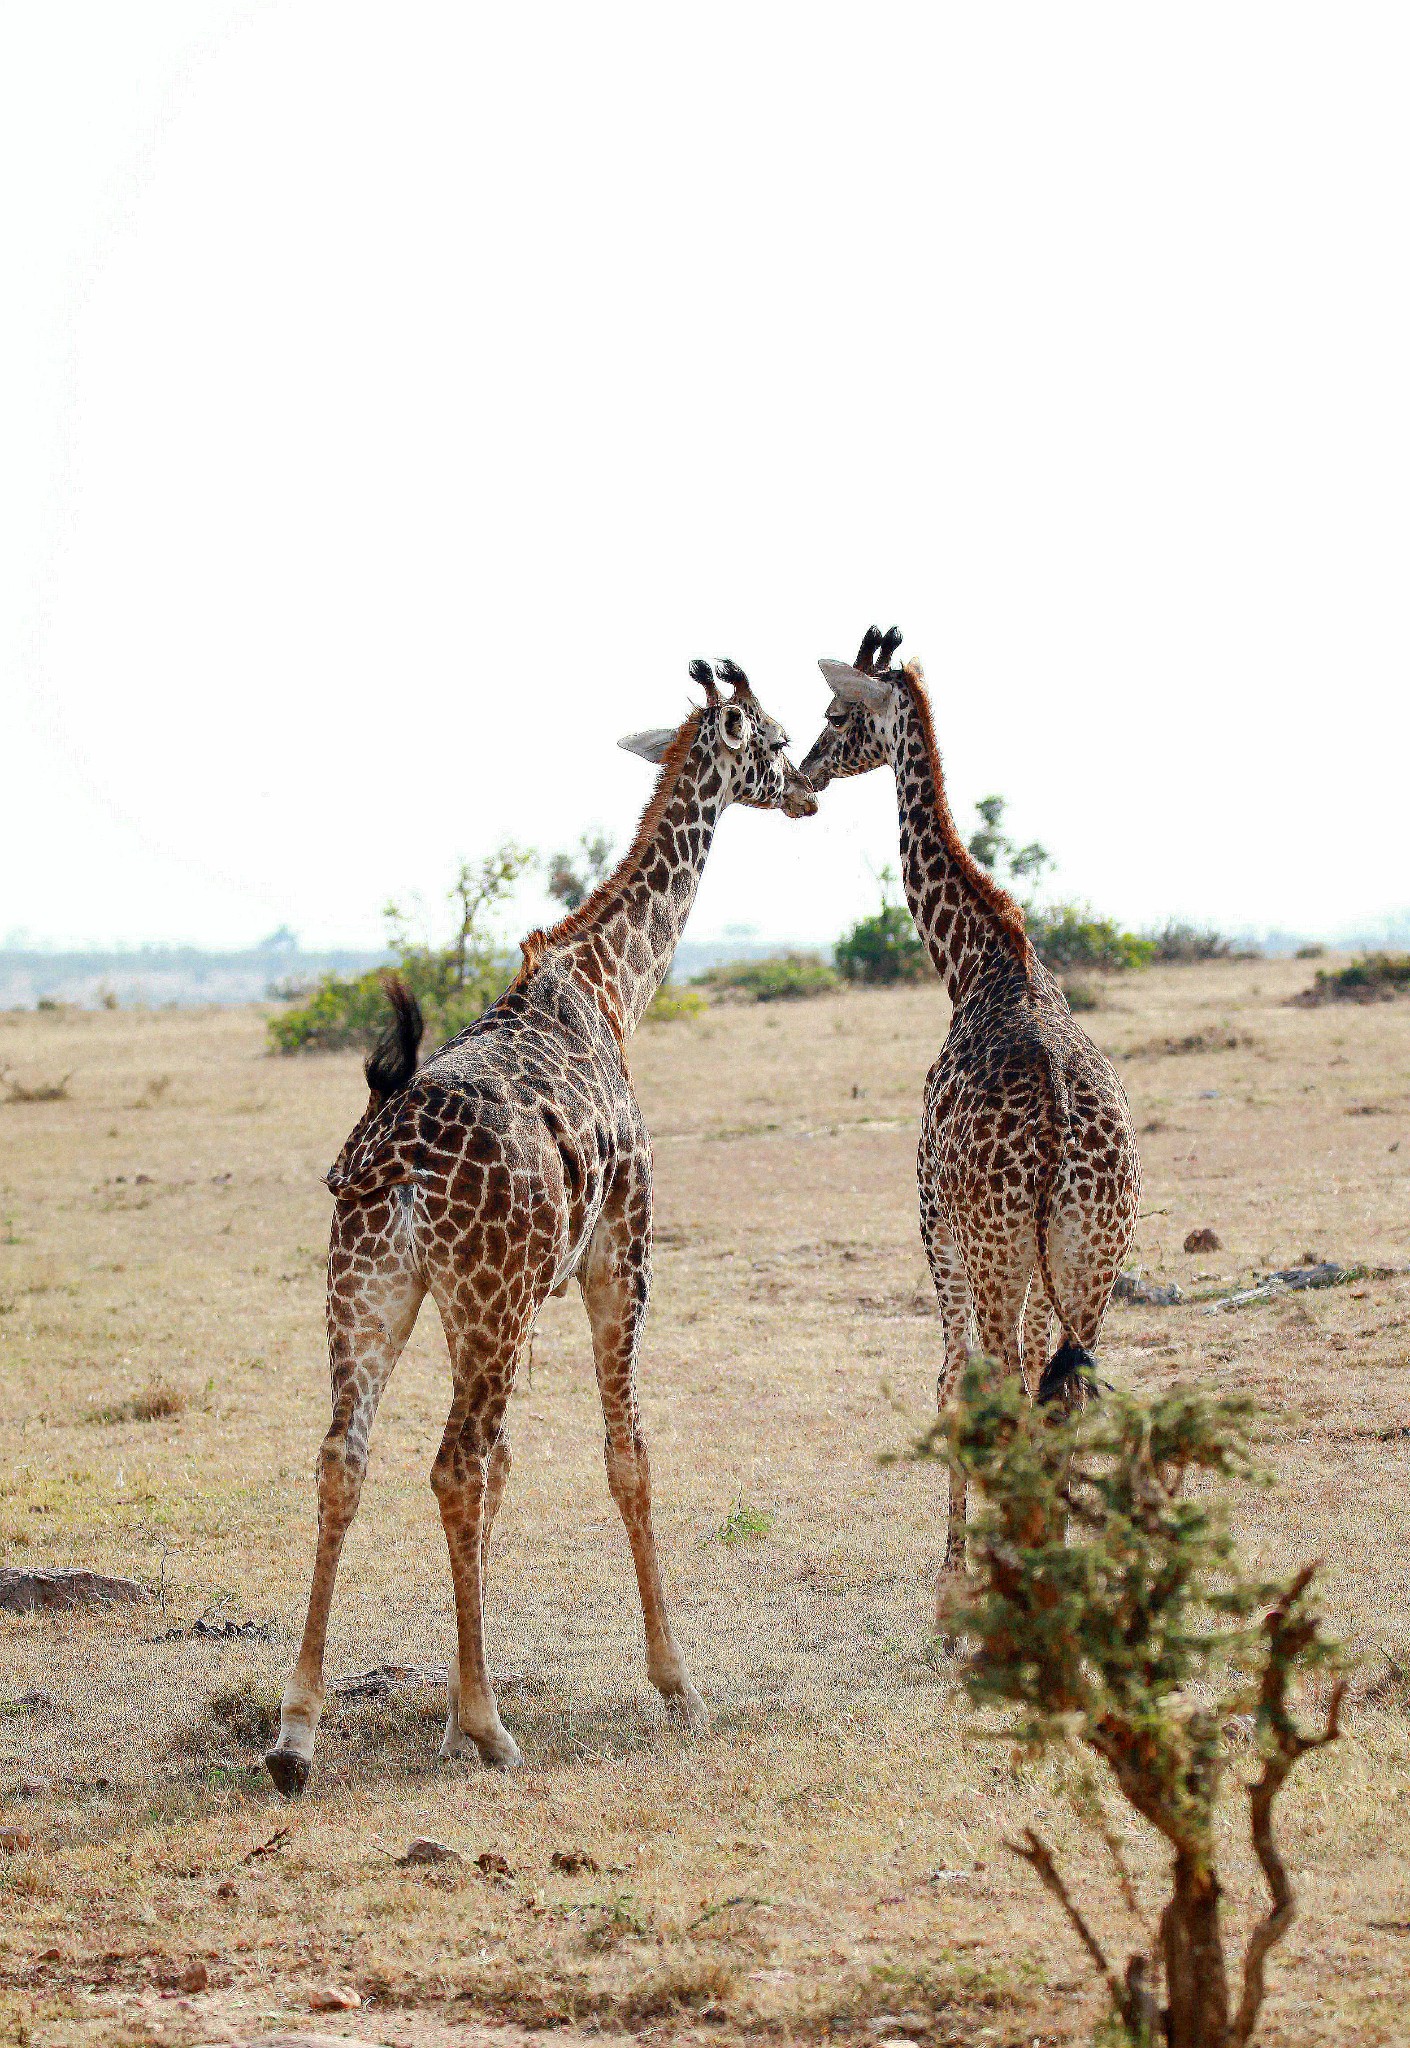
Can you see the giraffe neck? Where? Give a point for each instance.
(621, 941)
(973, 928)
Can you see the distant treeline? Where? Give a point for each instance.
(150, 977)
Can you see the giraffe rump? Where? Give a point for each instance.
(392, 1061)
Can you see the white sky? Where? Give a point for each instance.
(393, 399)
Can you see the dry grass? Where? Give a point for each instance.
(832, 1852)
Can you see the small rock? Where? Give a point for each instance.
(24, 1592)
(1320, 1273)
(423, 1849)
(228, 1890)
(291, 2041)
(13, 1840)
(386, 1678)
(334, 1998)
(1135, 1287)
(195, 1977)
(1204, 1240)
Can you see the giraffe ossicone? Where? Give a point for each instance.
(515, 1161)
(1029, 1175)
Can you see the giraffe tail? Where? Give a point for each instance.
(392, 1061)
(1071, 1371)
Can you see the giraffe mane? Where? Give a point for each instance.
(994, 897)
(610, 890)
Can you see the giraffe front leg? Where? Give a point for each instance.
(615, 1278)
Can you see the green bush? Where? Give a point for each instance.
(1109, 1611)
(454, 985)
(670, 1004)
(785, 977)
(1186, 942)
(340, 1013)
(883, 950)
(1374, 978)
(1067, 935)
(886, 949)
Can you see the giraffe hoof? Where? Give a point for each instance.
(500, 1752)
(688, 1710)
(289, 1772)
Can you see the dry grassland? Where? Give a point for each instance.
(831, 1854)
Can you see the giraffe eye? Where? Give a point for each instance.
(837, 719)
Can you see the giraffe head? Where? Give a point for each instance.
(746, 745)
(857, 735)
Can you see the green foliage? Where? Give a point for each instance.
(785, 978)
(883, 950)
(574, 873)
(670, 1004)
(1008, 862)
(1110, 1610)
(744, 1524)
(454, 984)
(1068, 935)
(1146, 1598)
(1374, 978)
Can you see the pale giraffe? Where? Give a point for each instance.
(1029, 1176)
(514, 1161)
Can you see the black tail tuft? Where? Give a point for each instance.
(392, 1061)
(1069, 1376)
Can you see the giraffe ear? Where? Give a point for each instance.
(652, 746)
(853, 687)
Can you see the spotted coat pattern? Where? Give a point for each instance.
(514, 1162)
(1029, 1174)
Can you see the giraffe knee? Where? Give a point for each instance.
(342, 1465)
(627, 1475)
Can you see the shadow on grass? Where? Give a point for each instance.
(390, 1737)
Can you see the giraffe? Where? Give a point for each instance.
(1029, 1176)
(514, 1161)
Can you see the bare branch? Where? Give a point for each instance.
(1288, 1635)
(1039, 1855)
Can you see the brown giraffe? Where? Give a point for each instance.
(515, 1161)
(1029, 1175)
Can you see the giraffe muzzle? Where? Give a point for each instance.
(799, 797)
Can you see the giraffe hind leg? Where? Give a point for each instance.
(369, 1321)
(468, 1479)
(615, 1284)
(952, 1294)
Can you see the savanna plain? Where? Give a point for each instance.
(828, 1860)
